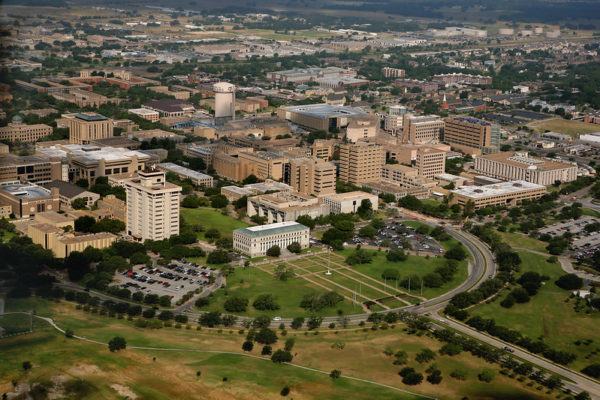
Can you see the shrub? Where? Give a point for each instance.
(335, 374)
(247, 345)
(487, 375)
(285, 391)
(266, 350)
(274, 251)
(294, 247)
(281, 356)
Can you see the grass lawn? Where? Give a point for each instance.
(516, 239)
(251, 282)
(590, 212)
(414, 265)
(567, 127)
(548, 314)
(210, 218)
(168, 375)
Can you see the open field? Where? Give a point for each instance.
(549, 314)
(210, 218)
(152, 374)
(564, 126)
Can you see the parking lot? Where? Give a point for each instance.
(575, 227)
(174, 279)
(397, 234)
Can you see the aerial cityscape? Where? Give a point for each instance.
(312, 199)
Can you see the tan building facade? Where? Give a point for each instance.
(268, 165)
(349, 202)
(286, 206)
(18, 131)
(85, 127)
(361, 162)
(312, 176)
(28, 199)
(430, 162)
(468, 133)
(423, 129)
(362, 128)
(152, 206)
(36, 169)
(231, 167)
(520, 166)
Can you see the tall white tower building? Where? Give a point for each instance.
(224, 100)
(152, 205)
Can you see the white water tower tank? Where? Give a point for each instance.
(224, 99)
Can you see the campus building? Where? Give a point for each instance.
(519, 165)
(197, 178)
(405, 176)
(18, 131)
(344, 203)
(362, 128)
(256, 240)
(471, 135)
(320, 116)
(29, 199)
(361, 162)
(285, 206)
(85, 127)
(498, 194)
(36, 169)
(422, 129)
(234, 193)
(312, 176)
(430, 162)
(152, 205)
(146, 113)
(267, 164)
(68, 193)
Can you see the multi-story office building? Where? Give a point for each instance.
(361, 162)
(267, 164)
(197, 178)
(394, 121)
(286, 206)
(498, 194)
(312, 176)
(234, 193)
(405, 176)
(430, 162)
(472, 135)
(85, 127)
(256, 240)
(423, 129)
(320, 116)
(322, 148)
(362, 128)
(29, 199)
(349, 202)
(18, 131)
(520, 165)
(389, 72)
(36, 169)
(146, 113)
(232, 167)
(152, 205)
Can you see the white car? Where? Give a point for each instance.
(277, 319)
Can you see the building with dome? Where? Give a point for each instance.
(17, 130)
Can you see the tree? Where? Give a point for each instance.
(294, 247)
(425, 355)
(367, 231)
(210, 319)
(266, 336)
(391, 274)
(117, 343)
(281, 356)
(283, 273)
(69, 333)
(84, 224)
(26, 365)
(78, 204)
(236, 304)
(265, 302)
(297, 323)
(149, 313)
(569, 282)
(274, 251)
(306, 220)
(458, 252)
(435, 377)
(520, 295)
(266, 350)
(335, 374)
(285, 391)
(247, 345)
(218, 257)
(583, 396)
(212, 234)
(83, 183)
(250, 179)
(413, 378)
(395, 255)
(289, 344)
(592, 370)
(314, 322)
(365, 210)
(166, 315)
(262, 321)
(487, 375)
(218, 201)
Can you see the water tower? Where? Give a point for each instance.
(224, 100)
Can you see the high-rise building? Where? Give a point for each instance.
(361, 162)
(430, 162)
(85, 127)
(362, 128)
(152, 205)
(312, 176)
(423, 129)
(472, 135)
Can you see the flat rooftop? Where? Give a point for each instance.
(25, 191)
(349, 196)
(90, 117)
(264, 230)
(183, 171)
(89, 153)
(496, 189)
(325, 110)
(523, 160)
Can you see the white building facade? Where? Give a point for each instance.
(256, 240)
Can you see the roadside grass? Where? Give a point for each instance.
(520, 240)
(164, 375)
(549, 314)
(414, 265)
(590, 212)
(210, 218)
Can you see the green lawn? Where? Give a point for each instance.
(516, 239)
(251, 282)
(548, 314)
(590, 212)
(210, 218)
(414, 265)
